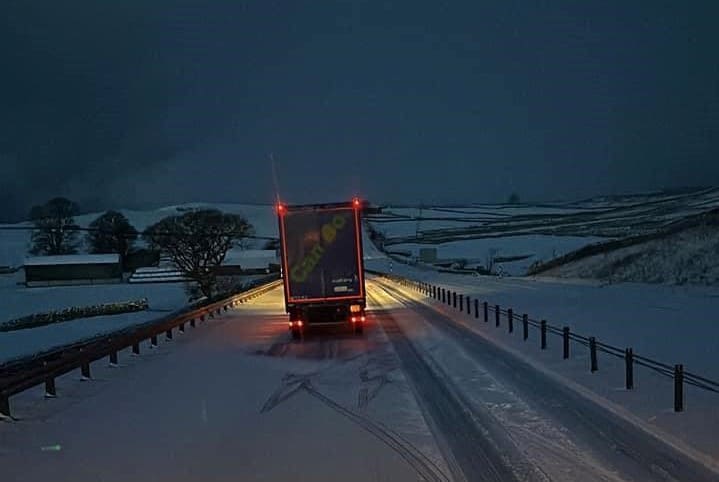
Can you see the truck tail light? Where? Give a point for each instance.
(355, 308)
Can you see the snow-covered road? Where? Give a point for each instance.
(538, 426)
(234, 399)
(421, 396)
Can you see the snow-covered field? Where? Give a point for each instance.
(539, 232)
(531, 248)
(17, 300)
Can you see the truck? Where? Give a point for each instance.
(322, 267)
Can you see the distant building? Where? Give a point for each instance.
(249, 261)
(73, 269)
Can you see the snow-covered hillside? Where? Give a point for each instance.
(690, 255)
(523, 235)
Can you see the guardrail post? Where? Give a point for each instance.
(469, 309)
(50, 390)
(629, 364)
(192, 322)
(135, 348)
(543, 329)
(168, 334)
(444, 296)
(202, 317)
(593, 354)
(5, 405)
(454, 299)
(476, 308)
(496, 315)
(153, 341)
(525, 326)
(679, 388)
(113, 358)
(85, 370)
(565, 336)
(461, 302)
(182, 328)
(486, 312)
(510, 320)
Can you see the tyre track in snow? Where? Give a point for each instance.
(632, 453)
(473, 450)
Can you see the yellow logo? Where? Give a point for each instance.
(302, 270)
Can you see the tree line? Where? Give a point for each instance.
(196, 241)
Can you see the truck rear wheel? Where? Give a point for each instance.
(296, 334)
(358, 328)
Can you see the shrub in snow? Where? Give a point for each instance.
(73, 313)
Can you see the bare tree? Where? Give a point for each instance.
(198, 241)
(55, 229)
(111, 233)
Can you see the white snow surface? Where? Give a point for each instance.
(17, 300)
(224, 403)
(670, 324)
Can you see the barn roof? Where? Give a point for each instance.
(70, 259)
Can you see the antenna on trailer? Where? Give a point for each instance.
(274, 179)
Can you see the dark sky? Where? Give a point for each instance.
(131, 103)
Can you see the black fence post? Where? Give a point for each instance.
(135, 348)
(469, 308)
(168, 334)
(113, 358)
(525, 326)
(593, 354)
(565, 336)
(85, 370)
(496, 315)
(510, 320)
(50, 390)
(444, 296)
(454, 299)
(461, 302)
(182, 327)
(679, 388)
(629, 363)
(543, 329)
(486, 312)
(153, 341)
(476, 308)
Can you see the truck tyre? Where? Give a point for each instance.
(296, 334)
(358, 329)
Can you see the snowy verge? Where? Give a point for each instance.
(648, 406)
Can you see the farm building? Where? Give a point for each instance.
(250, 261)
(73, 269)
